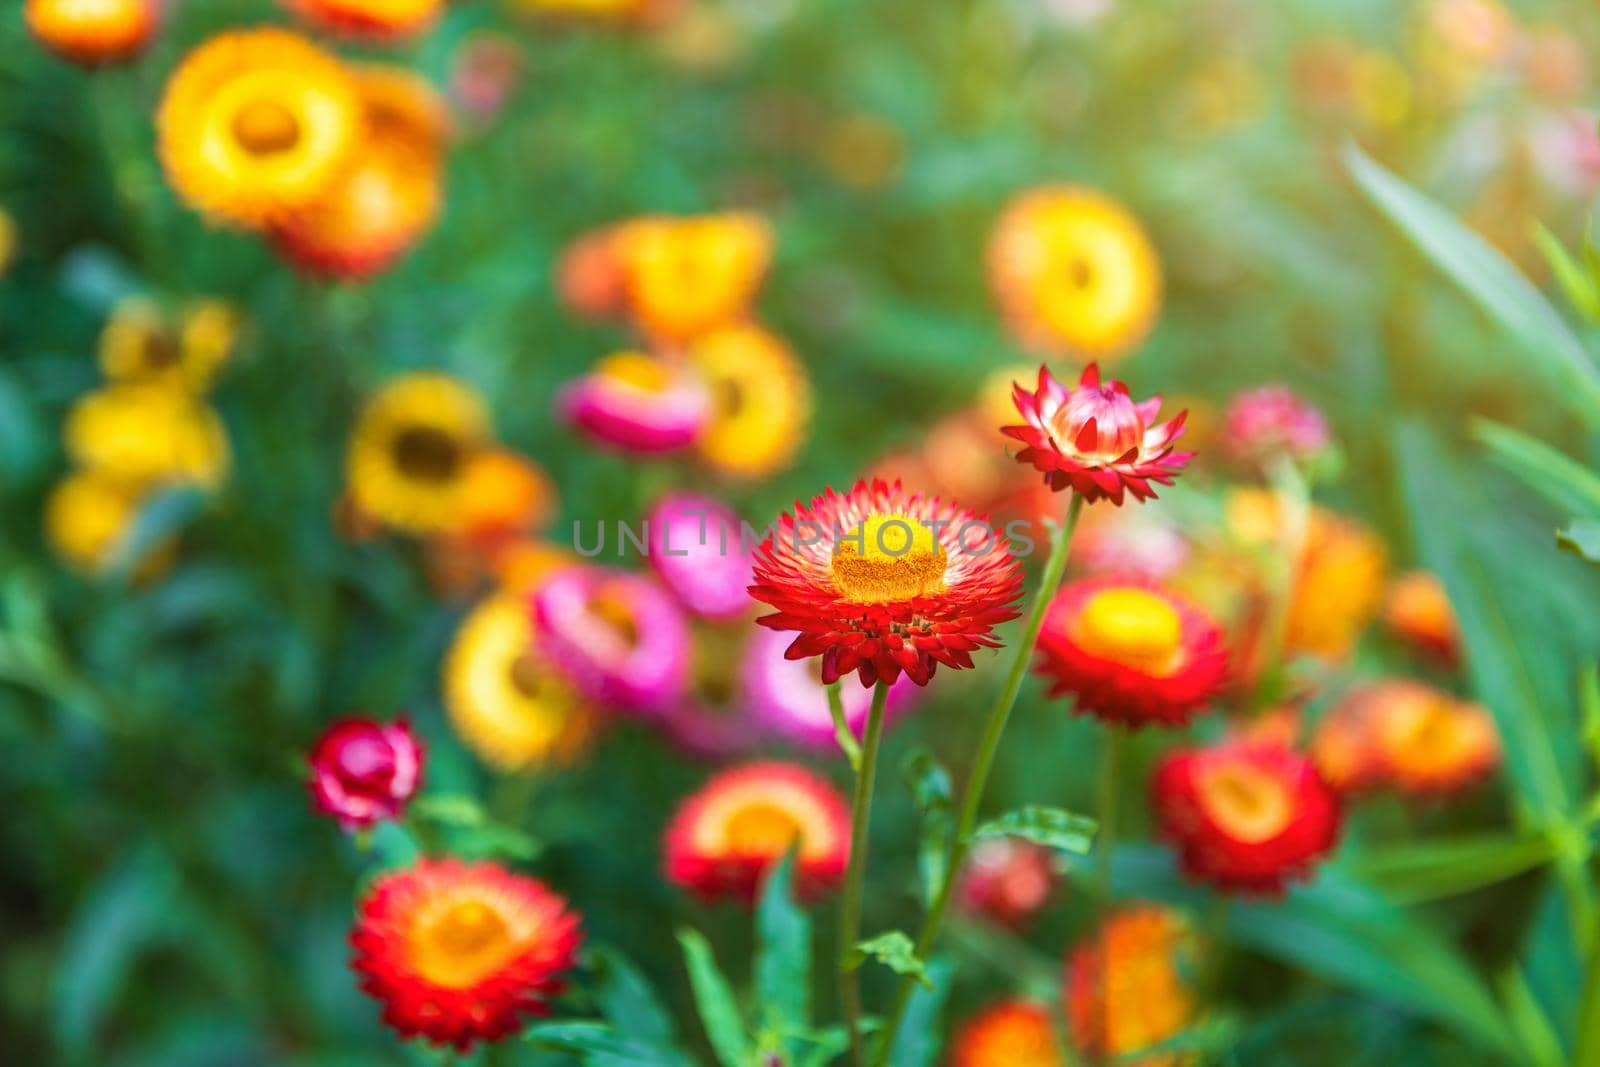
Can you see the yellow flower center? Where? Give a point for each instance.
(464, 945)
(888, 558)
(762, 830)
(1132, 627)
(1248, 804)
(638, 370)
(266, 127)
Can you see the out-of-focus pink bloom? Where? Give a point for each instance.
(1007, 880)
(364, 771)
(1080, 12)
(696, 549)
(789, 700)
(619, 637)
(1261, 424)
(637, 403)
(1144, 543)
(1566, 150)
(485, 69)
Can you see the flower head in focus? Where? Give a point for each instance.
(1131, 652)
(637, 403)
(620, 637)
(760, 400)
(1407, 735)
(505, 701)
(1246, 816)
(1417, 610)
(879, 581)
(1009, 1033)
(255, 125)
(1074, 273)
(411, 449)
(1128, 987)
(1094, 439)
(685, 276)
(93, 32)
(1007, 880)
(384, 20)
(364, 771)
(460, 953)
(1263, 425)
(727, 835)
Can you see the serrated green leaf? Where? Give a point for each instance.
(627, 999)
(931, 791)
(1044, 825)
(783, 954)
(1487, 278)
(896, 951)
(719, 1011)
(1582, 538)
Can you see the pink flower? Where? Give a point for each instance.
(364, 771)
(1272, 421)
(637, 403)
(697, 551)
(1007, 880)
(789, 699)
(619, 637)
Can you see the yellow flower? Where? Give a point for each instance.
(412, 448)
(92, 31)
(685, 276)
(505, 703)
(761, 400)
(256, 124)
(1074, 273)
(140, 344)
(87, 516)
(148, 434)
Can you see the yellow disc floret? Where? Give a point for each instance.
(1247, 803)
(463, 944)
(1133, 627)
(888, 558)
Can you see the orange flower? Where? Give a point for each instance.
(727, 835)
(1074, 273)
(1418, 611)
(502, 496)
(381, 19)
(1126, 988)
(589, 277)
(92, 32)
(1409, 735)
(460, 953)
(1010, 1033)
(685, 276)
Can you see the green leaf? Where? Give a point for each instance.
(159, 520)
(1587, 1046)
(1487, 278)
(1433, 870)
(1581, 538)
(1535, 1032)
(1563, 481)
(602, 1045)
(1576, 281)
(1043, 825)
(453, 809)
(393, 845)
(719, 1012)
(918, 1041)
(930, 789)
(626, 997)
(783, 954)
(895, 950)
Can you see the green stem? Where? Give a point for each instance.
(855, 873)
(1294, 510)
(1110, 783)
(983, 762)
(841, 727)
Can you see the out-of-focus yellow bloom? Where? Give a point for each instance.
(619, 10)
(522, 565)
(87, 516)
(8, 240)
(1380, 89)
(255, 125)
(705, 39)
(761, 400)
(383, 19)
(504, 702)
(864, 151)
(1074, 273)
(141, 344)
(92, 31)
(685, 276)
(503, 495)
(1130, 986)
(1223, 95)
(148, 434)
(411, 449)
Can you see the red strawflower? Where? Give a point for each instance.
(1130, 652)
(1094, 439)
(460, 953)
(364, 771)
(1007, 880)
(880, 581)
(1246, 816)
(729, 833)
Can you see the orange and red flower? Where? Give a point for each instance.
(379, 19)
(729, 833)
(460, 953)
(1246, 816)
(1127, 988)
(1094, 439)
(880, 581)
(1417, 610)
(1408, 735)
(1131, 652)
(102, 31)
(1010, 1033)
(363, 771)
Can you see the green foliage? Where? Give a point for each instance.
(896, 951)
(1051, 827)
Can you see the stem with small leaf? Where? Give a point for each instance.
(866, 764)
(983, 762)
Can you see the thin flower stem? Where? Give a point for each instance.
(983, 762)
(855, 873)
(1105, 841)
(841, 727)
